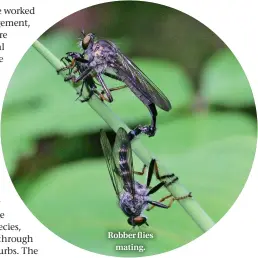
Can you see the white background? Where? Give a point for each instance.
(235, 23)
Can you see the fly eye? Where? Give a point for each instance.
(130, 221)
(86, 41)
(139, 220)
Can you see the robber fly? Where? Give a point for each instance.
(133, 197)
(104, 57)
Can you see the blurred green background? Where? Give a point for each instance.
(51, 142)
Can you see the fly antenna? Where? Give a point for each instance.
(83, 33)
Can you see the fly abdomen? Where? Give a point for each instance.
(123, 161)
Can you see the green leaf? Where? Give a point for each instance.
(223, 81)
(34, 80)
(190, 131)
(216, 173)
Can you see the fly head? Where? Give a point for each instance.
(137, 221)
(87, 40)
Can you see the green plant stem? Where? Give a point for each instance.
(190, 205)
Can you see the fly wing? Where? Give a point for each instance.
(112, 168)
(148, 88)
(134, 75)
(122, 152)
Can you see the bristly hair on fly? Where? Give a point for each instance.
(80, 39)
(79, 44)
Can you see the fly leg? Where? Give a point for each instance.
(172, 199)
(76, 79)
(90, 86)
(142, 172)
(77, 57)
(66, 61)
(69, 66)
(154, 190)
(90, 92)
(163, 177)
(102, 96)
(71, 77)
(153, 167)
(112, 76)
(83, 75)
(115, 88)
(81, 90)
(162, 200)
(105, 88)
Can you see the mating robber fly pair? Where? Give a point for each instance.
(102, 57)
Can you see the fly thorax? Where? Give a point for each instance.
(98, 66)
(140, 189)
(126, 204)
(131, 206)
